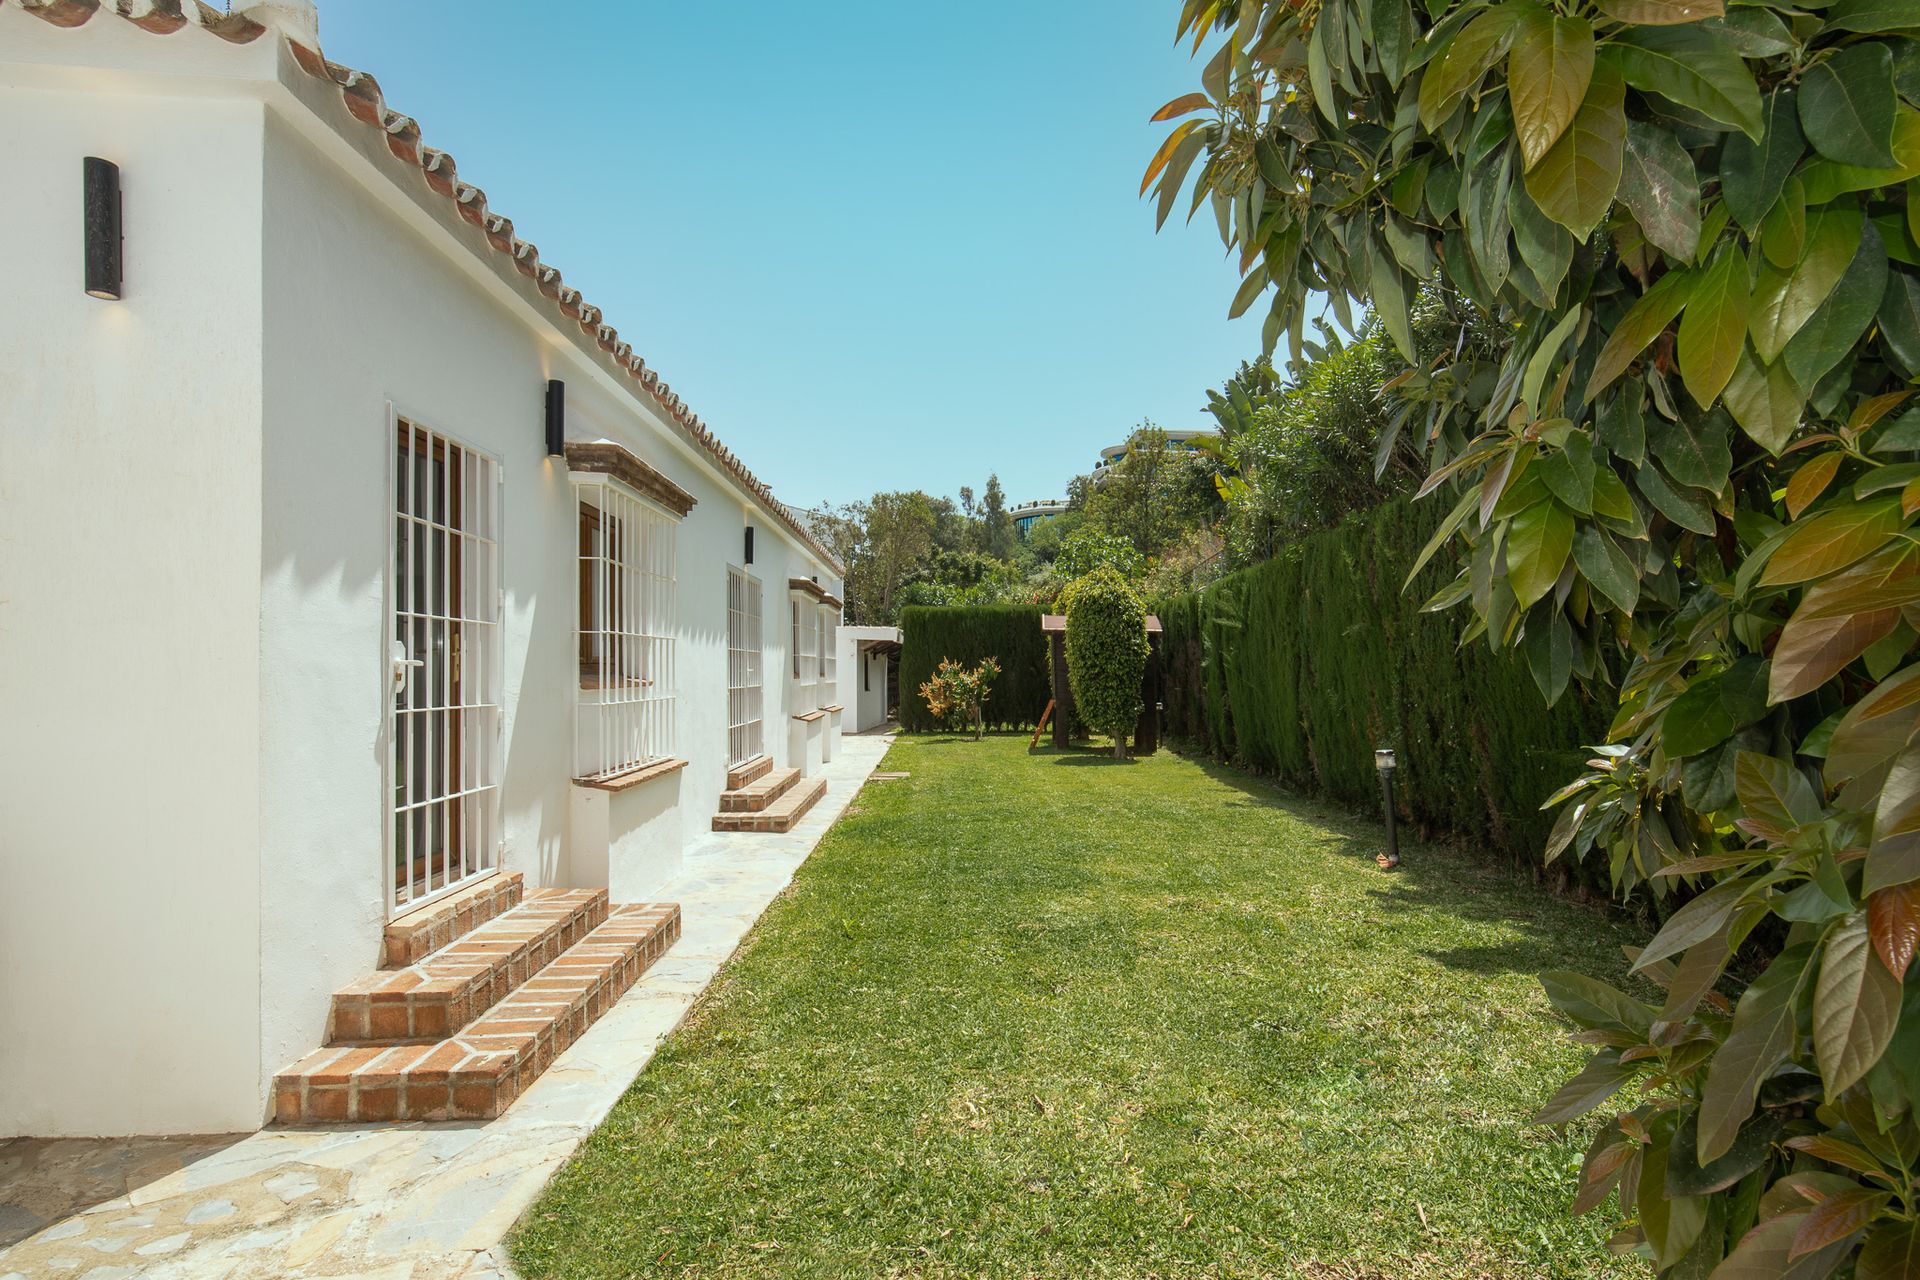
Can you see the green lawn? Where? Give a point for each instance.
(1026, 1014)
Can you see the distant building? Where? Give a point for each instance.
(1180, 440)
(1027, 512)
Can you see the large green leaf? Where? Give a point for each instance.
(1599, 1080)
(1391, 33)
(1899, 316)
(1894, 856)
(1548, 71)
(1390, 302)
(1694, 67)
(1694, 451)
(1831, 332)
(1873, 15)
(1659, 184)
(1784, 300)
(1856, 1004)
(1833, 540)
(1684, 506)
(1713, 329)
(1545, 246)
(1891, 1252)
(1760, 1040)
(1479, 45)
(1752, 173)
(1539, 540)
(1766, 401)
(1575, 181)
(1594, 1004)
(1660, 13)
(1847, 103)
(1712, 708)
(1606, 566)
(1652, 312)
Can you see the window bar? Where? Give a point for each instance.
(409, 693)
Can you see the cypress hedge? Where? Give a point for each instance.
(968, 633)
(1299, 667)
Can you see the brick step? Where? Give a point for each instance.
(477, 1073)
(745, 774)
(778, 816)
(758, 795)
(461, 981)
(412, 937)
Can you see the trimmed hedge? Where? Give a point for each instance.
(1106, 652)
(1299, 667)
(968, 633)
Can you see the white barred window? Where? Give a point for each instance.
(829, 694)
(623, 719)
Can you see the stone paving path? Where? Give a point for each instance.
(390, 1202)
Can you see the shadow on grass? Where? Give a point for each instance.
(1435, 878)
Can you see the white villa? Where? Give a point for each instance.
(375, 626)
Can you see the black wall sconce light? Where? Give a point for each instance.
(100, 185)
(556, 418)
(747, 553)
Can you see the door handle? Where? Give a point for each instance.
(401, 664)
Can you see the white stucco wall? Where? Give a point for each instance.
(863, 686)
(129, 612)
(367, 308)
(195, 510)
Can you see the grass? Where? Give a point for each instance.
(1033, 1014)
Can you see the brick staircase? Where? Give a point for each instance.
(481, 991)
(761, 798)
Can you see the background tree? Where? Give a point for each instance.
(1684, 471)
(997, 529)
(898, 536)
(1106, 653)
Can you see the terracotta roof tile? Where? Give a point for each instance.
(361, 96)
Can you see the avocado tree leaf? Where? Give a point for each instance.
(1659, 184)
(1765, 400)
(1713, 330)
(1539, 540)
(1694, 67)
(1548, 71)
(1470, 54)
(1391, 34)
(1847, 104)
(1832, 540)
(1759, 1040)
(1837, 325)
(1872, 16)
(1651, 313)
(1753, 173)
(1575, 181)
(1694, 451)
(1899, 317)
(1784, 300)
(1660, 13)
(1606, 566)
(1856, 1004)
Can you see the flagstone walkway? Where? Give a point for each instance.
(392, 1202)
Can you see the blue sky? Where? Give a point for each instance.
(875, 246)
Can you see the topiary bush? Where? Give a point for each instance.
(1106, 653)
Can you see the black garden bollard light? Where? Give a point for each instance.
(1383, 763)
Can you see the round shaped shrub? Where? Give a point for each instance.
(1106, 653)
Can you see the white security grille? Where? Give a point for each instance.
(443, 762)
(746, 728)
(806, 655)
(829, 694)
(624, 716)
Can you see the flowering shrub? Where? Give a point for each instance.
(956, 693)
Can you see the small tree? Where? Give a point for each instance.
(1106, 653)
(956, 694)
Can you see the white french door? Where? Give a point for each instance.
(443, 761)
(746, 723)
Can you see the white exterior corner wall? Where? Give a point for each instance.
(129, 610)
(863, 677)
(195, 504)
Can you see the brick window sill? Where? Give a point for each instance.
(633, 777)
